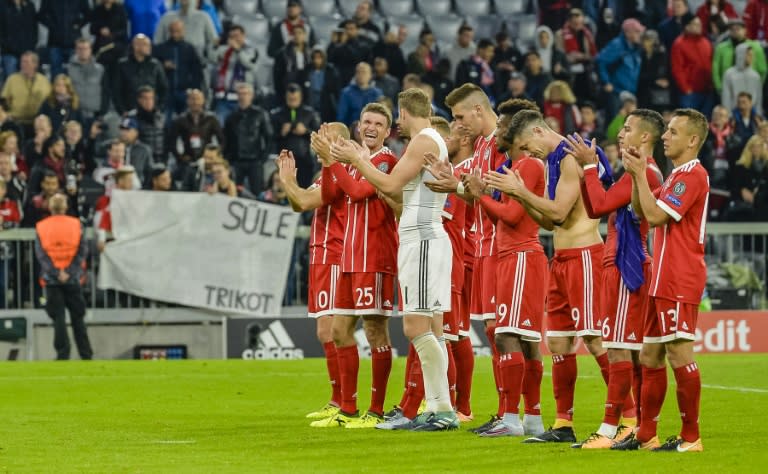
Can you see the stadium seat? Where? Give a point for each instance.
(348, 7)
(434, 7)
(324, 26)
(473, 7)
(510, 7)
(414, 24)
(445, 27)
(486, 26)
(243, 6)
(273, 8)
(256, 30)
(396, 7)
(525, 28)
(319, 7)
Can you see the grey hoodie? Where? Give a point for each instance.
(90, 84)
(742, 78)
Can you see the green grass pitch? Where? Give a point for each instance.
(248, 416)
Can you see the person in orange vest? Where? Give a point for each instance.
(60, 248)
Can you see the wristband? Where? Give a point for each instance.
(460, 188)
(590, 166)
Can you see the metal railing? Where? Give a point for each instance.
(742, 244)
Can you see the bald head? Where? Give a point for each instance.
(176, 30)
(338, 129)
(58, 204)
(142, 46)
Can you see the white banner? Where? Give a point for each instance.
(195, 249)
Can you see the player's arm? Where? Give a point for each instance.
(600, 202)
(445, 180)
(544, 222)
(357, 190)
(394, 202)
(644, 201)
(301, 199)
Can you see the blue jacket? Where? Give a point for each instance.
(352, 101)
(144, 15)
(619, 64)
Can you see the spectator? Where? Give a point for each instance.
(463, 47)
(61, 249)
(725, 53)
(183, 68)
(353, 98)
(64, 19)
(440, 80)
(535, 77)
(560, 104)
(619, 63)
(436, 109)
(578, 44)
(347, 49)
(18, 33)
(294, 122)
(55, 161)
(235, 63)
(387, 83)
(750, 179)
(90, 83)
(417, 60)
(362, 18)
(756, 20)
(26, 90)
(223, 184)
(653, 87)
(63, 103)
(199, 175)
(16, 186)
(10, 217)
(323, 86)
(78, 152)
(36, 207)
(673, 26)
(9, 144)
(192, 131)
(611, 150)
(6, 121)
(292, 63)
(607, 28)
(135, 71)
(411, 80)
(719, 150)
(745, 118)
(198, 28)
(477, 69)
(715, 15)
(515, 88)
(628, 105)
(144, 15)
(124, 178)
(589, 127)
(390, 50)
(34, 148)
(691, 58)
(553, 13)
(282, 33)
(506, 60)
(151, 122)
(109, 27)
(248, 139)
(137, 154)
(427, 38)
(115, 161)
(742, 78)
(161, 178)
(275, 193)
(553, 60)
(210, 10)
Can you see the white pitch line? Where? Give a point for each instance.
(735, 389)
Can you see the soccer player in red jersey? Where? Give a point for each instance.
(325, 247)
(520, 284)
(626, 269)
(366, 287)
(472, 109)
(572, 302)
(678, 211)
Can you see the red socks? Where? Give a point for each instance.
(349, 364)
(654, 391)
(490, 332)
(415, 392)
(408, 364)
(332, 362)
(451, 374)
(619, 388)
(381, 366)
(688, 380)
(637, 383)
(534, 369)
(464, 357)
(511, 372)
(628, 404)
(564, 371)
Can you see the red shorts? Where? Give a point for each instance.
(452, 318)
(322, 289)
(668, 320)
(483, 301)
(572, 300)
(364, 294)
(520, 294)
(623, 312)
(466, 296)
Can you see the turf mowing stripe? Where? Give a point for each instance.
(735, 389)
(174, 441)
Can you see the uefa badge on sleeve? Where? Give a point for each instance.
(679, 188)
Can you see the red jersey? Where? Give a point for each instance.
(679, 271)
(465, 167)
(9, 211)
(326, 238)
(370, 233)
(454, 221)
(516, 231)
(103, 217)
(486, 157)
(599, 202)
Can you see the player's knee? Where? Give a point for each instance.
(507, 343)
(619, 355)
(594, 345)
(531, 350)
(679, 354)
(652, 356)
(559, 345)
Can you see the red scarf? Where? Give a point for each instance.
(221, 79)
(720, 136)
(57, 166)
(571, 41)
